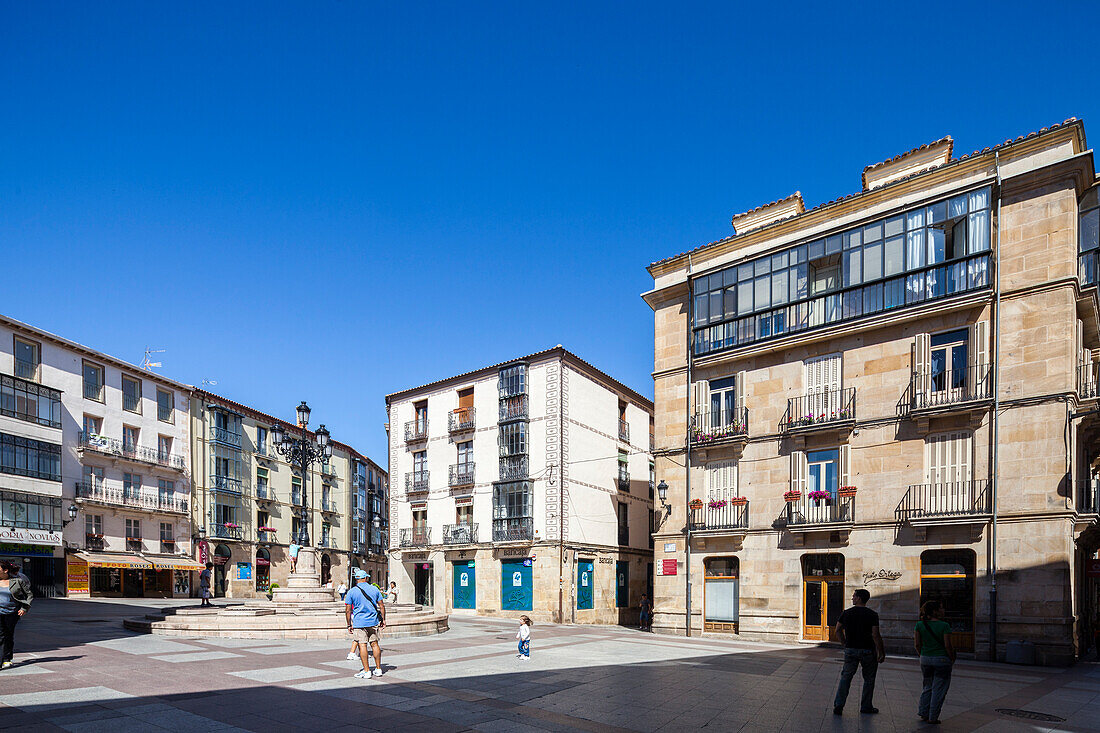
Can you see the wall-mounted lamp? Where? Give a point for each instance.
(72, 516)
(662, 494)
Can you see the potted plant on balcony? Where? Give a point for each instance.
(792, 496)
(818, 496)
(739, 501)
(846, 491)
(696, 504)
(717, 504)
(231, 525)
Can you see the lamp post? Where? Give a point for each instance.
(302, 453)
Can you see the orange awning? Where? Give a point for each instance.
(109, 560)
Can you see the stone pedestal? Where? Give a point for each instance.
(304, 584)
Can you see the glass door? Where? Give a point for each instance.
(822, 595)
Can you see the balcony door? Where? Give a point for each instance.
(421, 409)
(723, 402)
(947, 366)
(822, 595)
(949, 478)
(822, 474)
(822, 379)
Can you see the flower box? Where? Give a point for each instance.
(820, 495)
(265, 529)
(696, 503)
(846, 491)
(739, 501)
(792, 496)
(719, 504)
(231, 525)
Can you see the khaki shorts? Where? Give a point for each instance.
(368, 635)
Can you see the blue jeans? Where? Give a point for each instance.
(525, 647)
(853, 658)
(937, 678)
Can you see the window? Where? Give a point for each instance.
(298, 530)
(263, 519)
(93, 382)
(948, 576)
(464, 514)
(93, 525)
(166, 405)
(166, 490)
(948, 360)
(721, 594)
(297, 496)
(93, 477)
(624, 527)
(25, 400)
(164, 448)
(948, 459)
(28, 457)
(326, 529)
(1088, 236)
(261, 441)
(131, 394)
(513, 439)
(30, 511)
(512, 500)
(421, 410)
(131, 485)
(822, 379)
(624, 471)
(129, 438)
(261, 483)
(624, 426)
(166, 532)
(513, 381)
(721, 477)
(420, 465)
(28, 357)
(93, 426)
(822, 473)
(652, 479)
(466, 452)
(133, 535)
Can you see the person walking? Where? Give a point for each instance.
(524, 636)
(204, 584)
(15, 599)
(857, 629)
(937, 656)
(366, 615)
(342, 589)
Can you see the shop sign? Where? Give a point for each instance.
(244, 571)
(413, 556)
(203, 552)
(1092, 568)
(668, 566)
(670, 547)
(76, 577)
(26, 550)
(30, 536)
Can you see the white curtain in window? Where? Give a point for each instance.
(721, 480)
(977, 238)
(721, 600)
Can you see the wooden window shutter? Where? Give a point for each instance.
(701, 397)
(739, 386)
(922, 358)
(844, 469)
(798, 471)
(979, 358)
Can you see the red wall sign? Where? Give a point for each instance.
(202, 552)
(668, 566)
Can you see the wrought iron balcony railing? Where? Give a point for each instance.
(953, 499)
(931, 389)
(114, 495)
(130, 451)
(227, 532)
(807, 511)
(624, 479)
(513, 408)
(94, 542)
(460, 534)
(717, 426)
(324, 542)
(228, 437)
(93, 390)
(329, 507)
(265, 493)
(298, 497)
(718, 514)
(460, 420)
(624, 430)
(328, 470)
(514, 468)
(131, 402)
(516, 529)
(134, 544)
(416, 536)
(461, 474)
(416, 481)
(821, 409)
(1088, 496)
(25, 369)
(416, 430)
(1088, 381)
(226, 484)
(265, 536)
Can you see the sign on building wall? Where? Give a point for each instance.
(76, 577)
(668, 566)
(244, 571)
(30, 536)
(204, 554)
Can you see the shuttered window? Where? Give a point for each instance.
(721, 480)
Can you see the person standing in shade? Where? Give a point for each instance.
(644, 612)
(366, 616)
(204, 584)
(857, 629)
(393, 593)
(936, 659)
(15, 600)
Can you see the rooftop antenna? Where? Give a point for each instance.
(209, 383)
(147, 363)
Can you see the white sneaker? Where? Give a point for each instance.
(362, 674)
(352, 655)
(377, 672)
(6, 665)
(525, 658)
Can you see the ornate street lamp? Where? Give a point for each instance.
(662, 494)
(302, 453)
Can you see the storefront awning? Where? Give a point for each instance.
(174, 563)
(105, 560)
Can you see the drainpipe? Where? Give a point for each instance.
(687, 463)
(996, 424)
(561, 490)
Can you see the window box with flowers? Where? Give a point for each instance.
(231, 525)
(739, 501)
(818, 496)
(792, 496)
(263, 529)
(846, 491)
(717, 504)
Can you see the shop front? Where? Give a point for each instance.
(111, 575)
(34, 552)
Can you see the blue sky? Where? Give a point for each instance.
(334, 201)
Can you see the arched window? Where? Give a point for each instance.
(263, 569)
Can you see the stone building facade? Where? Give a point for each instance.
(826, 382)
(490, 523)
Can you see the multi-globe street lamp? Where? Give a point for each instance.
(302, 453)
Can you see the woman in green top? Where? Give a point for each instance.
(936, 657)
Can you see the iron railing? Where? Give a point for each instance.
(94, 542)
(324, 542)
(298, 497)
(114, 495)
(949, 499)
(229, 437)
(416, 481)
(328, 470)
(461, 474)
(416, 536)
(1088, 381)
(460, 534)
(265, 493)
(930, 389)
(460, 420)
(265, 536)
(126, 449)
(1088, 496)
(809, 511)
(134, 544)
(25, 369)
(716, 426)
(819, 409)
(514, 468)
(229, 533)
(624, 479)
(168, 547)
(416, 430)
(513, 408)
(328, 506)
(131, 402)
(226, 484)
(624, 430)
(93, 390)
(720, 514)
(515, 529)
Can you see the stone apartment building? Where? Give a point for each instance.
(251, 503)
(895, 390)
(488, 522)
(94, 470)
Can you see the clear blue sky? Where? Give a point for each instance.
(334, 201)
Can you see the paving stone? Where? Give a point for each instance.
(281, 674)
(41, 701)
(194, 657)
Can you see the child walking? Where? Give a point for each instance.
(524, 636)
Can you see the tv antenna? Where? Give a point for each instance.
(147, 363)
(209, 383)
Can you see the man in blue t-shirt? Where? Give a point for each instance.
(366, 614)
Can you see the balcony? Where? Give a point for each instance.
(416, 431)
(119, 449)
(512, 387)
(267, 536)
(328, 470)
(720, 516)
(34, 403)
(809, 515)
(94, 542)
(460, 420)
(298, 498)
(720, 427)
(99, 492)
(1088, 382)
(960, 502)
(134, 544)
(329, 507)
(226, 484)
(416, 482)
(168, 547)
(514, 468)
(460, 534)
(513, 408)
(624, 430)
(624, 479)
(1088, 496)
(26, 369)
(416, 536)
(265, 493)
(517, 529)
(834, 409)
(461, 474)
(228, 531)
(948, 391)
(131, 403)
(324, 542)
(226, 437)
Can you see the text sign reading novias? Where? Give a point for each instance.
(668, 566)
(30, 536)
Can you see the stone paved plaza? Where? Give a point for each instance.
(78, 670)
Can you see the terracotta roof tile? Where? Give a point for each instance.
(874, 166)
(785, 199)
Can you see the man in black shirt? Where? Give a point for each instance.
(857, 629)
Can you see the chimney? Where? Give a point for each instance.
(768, 213)
(915, 161)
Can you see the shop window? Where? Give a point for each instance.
(721, 594)
(948, 576)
